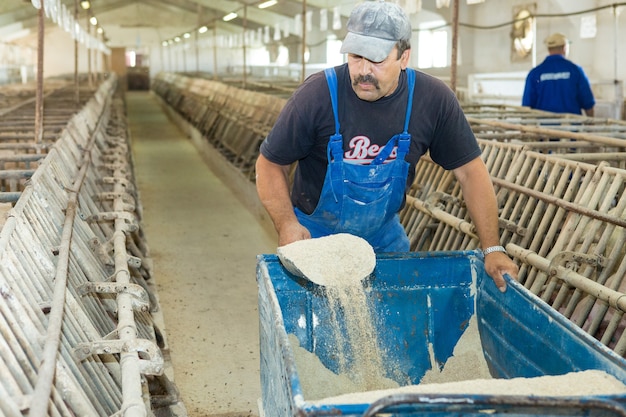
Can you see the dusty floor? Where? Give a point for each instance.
(204, 245)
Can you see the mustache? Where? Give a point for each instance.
(368, 79)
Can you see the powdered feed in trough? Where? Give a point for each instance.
(574, 384)
(466, 363)
(339, 263)
(460, 375)
(337, 260)
(425, 304)
(467, 360)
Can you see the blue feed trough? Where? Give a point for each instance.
(424, 303)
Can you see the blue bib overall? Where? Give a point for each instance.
(363, 200)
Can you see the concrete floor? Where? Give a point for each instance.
(203, 243)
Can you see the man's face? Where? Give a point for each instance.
(374, 80)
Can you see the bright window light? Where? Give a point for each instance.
(432, 46)
(131, 58)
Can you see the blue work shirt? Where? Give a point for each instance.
(558, 85)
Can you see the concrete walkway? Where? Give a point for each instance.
(204, 244)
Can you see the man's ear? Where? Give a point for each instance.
(404, 59)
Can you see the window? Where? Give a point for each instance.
(433, 45)
(131, 59)
(334, 56)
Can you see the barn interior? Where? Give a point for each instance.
(131, 223)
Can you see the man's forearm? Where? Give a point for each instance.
(481, 203)
(482, 206)
(272, 186)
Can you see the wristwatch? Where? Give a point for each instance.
(491, 249)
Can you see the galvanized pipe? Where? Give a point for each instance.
(43, 387)
(614, 298)
(443, 216)
(28, 276)
(572, 207)
(551, 132)
(594, 157)
(131, 376)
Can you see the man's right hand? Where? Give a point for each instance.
(272, 184)
(292, 232)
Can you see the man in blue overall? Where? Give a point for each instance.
(557, 84)
(357, 132)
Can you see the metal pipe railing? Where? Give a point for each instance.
(71, 273)
(46, 374)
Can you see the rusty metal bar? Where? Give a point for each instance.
(455, 43)
(76, 79)
(40, 54)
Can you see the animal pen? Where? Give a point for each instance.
(559, 181)
(75, 270)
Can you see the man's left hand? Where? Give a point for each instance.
(497, 264)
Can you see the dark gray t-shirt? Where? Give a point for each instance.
(305, 124)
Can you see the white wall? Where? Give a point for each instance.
(59, 55)
(489, 50)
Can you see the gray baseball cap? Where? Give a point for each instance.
(374, 27)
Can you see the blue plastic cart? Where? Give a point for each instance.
(424, 299)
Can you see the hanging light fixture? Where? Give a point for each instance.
(267, 4)
(85, 4)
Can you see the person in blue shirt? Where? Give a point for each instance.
(557, 84)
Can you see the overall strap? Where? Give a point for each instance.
(335, 145)
(334, 151)
(402, 140)
(410, 77)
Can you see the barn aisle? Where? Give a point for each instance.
(203, 243)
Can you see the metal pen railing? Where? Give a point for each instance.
(558, 178)
(78, 335)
